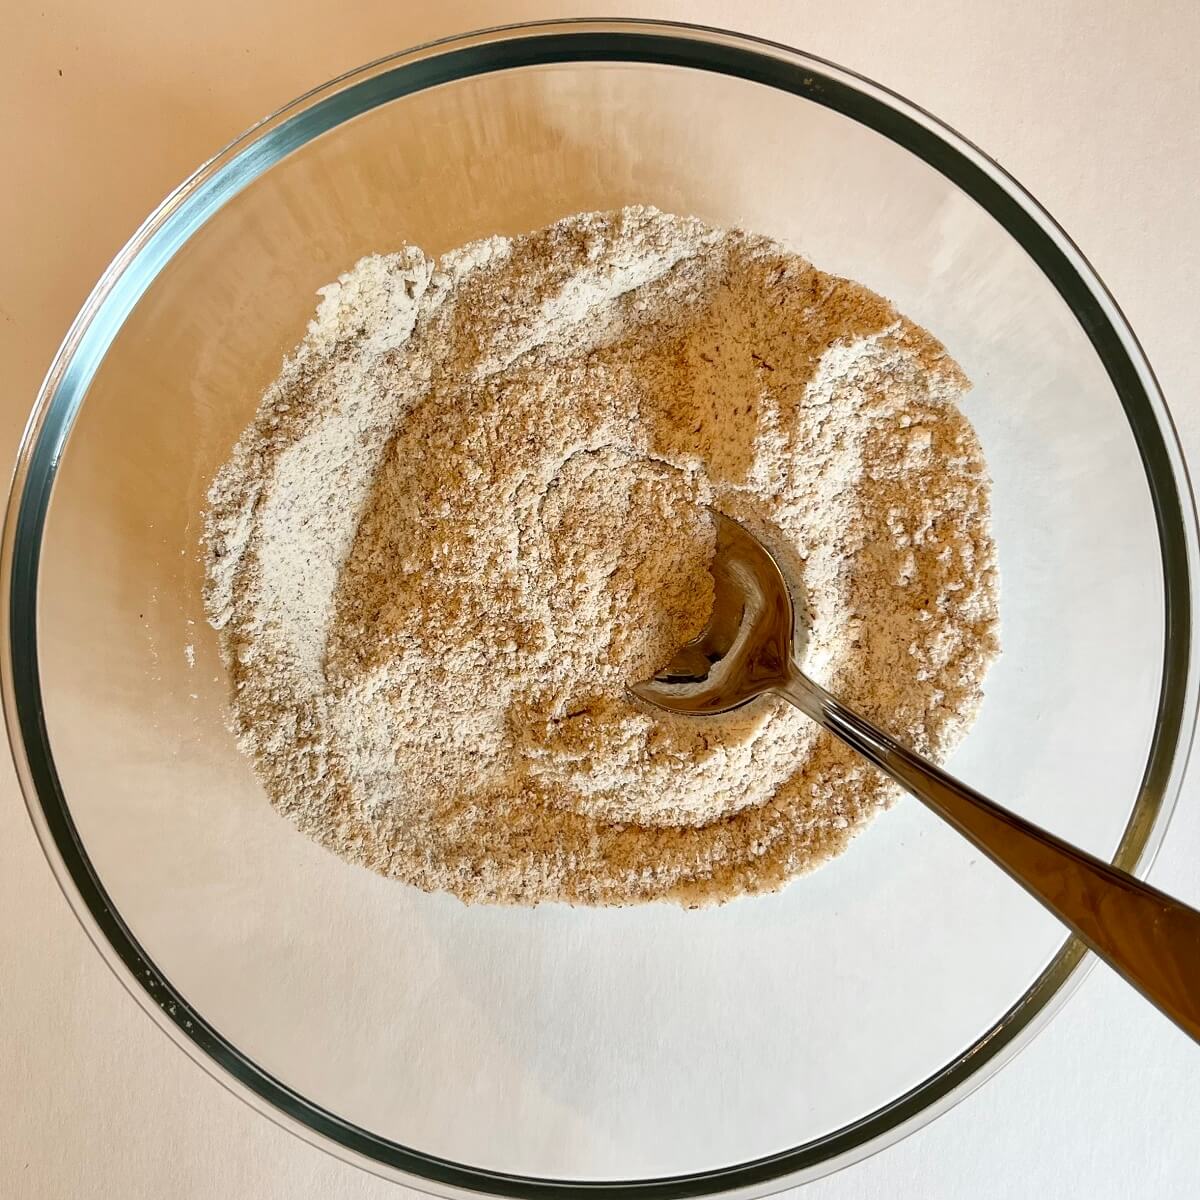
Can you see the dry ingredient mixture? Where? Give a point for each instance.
(472, 508)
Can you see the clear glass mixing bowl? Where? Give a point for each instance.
(647, 1051)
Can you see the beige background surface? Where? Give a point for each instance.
(1093, 104)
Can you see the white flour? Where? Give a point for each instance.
(472, 509)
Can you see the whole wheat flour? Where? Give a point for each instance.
(473, 507)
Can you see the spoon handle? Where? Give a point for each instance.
(1147, 937)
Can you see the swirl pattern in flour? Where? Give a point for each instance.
(473, 507)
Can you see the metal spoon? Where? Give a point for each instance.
(746, 650)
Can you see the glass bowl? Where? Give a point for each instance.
(645, 1051)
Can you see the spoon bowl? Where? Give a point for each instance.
(746, 647)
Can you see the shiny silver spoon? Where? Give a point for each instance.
(747, 649)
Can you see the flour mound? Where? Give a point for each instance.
(474, 506)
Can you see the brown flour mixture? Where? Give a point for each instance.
(472, 509)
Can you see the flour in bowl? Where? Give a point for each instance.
(474, 507)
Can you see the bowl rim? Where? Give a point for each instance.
(523, 45)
